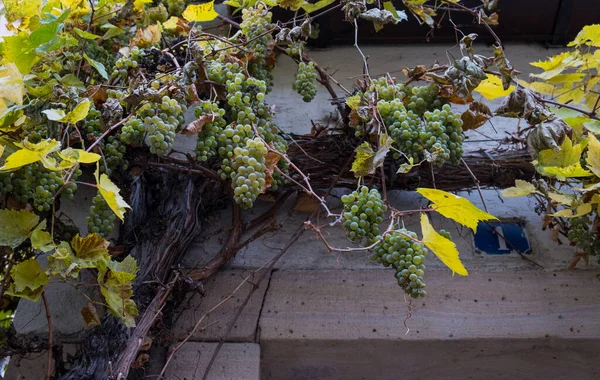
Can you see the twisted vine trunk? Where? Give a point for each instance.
(163, 221)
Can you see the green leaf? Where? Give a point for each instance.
(111, 31)
(28, 275)
(309, 8)
(9, 117)
(62, 262)
(15, 226)
(443, 248)
(455, 207)
(96, 65)
(116, 287)
(363, 161)
(85, 35)
(521, 188)
(42, 240)
(399, 15)
(593, 155)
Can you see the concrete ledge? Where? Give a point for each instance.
(33, 367)
(366, 304)
(239, 361)
(218, 288)
(502, 325)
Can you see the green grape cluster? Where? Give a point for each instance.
(403, 126)
(123, 64)
(295, 49)
(399, 250)
(220, 72)
(231, 137)
(176, 7)
(583, 237)
(256, 21)
(35, 131)
(97, 52)
(261, 70)
(424, 98)
(92, 122)
(387, 89)
(443, 135)
(38, 185)
(113, 155)
(249, 172)
(133, 131)
(101, 219)
(5, 184)
(305, 82)
(156, 124)
(206, 145)
(363, 212)
(157, 14)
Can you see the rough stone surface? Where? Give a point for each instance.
(217, 288)
(64, 302)
(351, 325)
(239, 361)
(365, 304)
(34, 367)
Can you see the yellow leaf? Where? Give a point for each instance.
(72, 156)
(456, 208)
(443, 248)
(309, 8)
(110, 193)
(589, 35)
(138, 5)
(171, 23)
(29, 154)
(552, 66)
(353, 101)
(521, 188)
(12, 87)
(567, 78)
(148, 36)
(561, 198)
(583, 209)
(200, 12)
(568, 154)
(593, 155)
(491, 88)
(78, 113)
(562, 173)
(543, 88)
(363, 162)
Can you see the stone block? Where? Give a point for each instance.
(239, 361)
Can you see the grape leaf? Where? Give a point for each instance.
(200, 12)
(399, 15)
(71, 156)
(78, 113)
(116, 288)
(85, 35)
(455, 207)
(111, 31)
(90, 315)
(12, 87)
(561, 198)
(90, 251)
(171, 23)
(29, 154)
(309, 8)
(593, 155)
(589, 35)
(492, 88)
(42, 240)
(138, 5)
(62, 262)
(363, 161)
(443, 248)
(110, 193)
(28, 279)
(581, 210)
(564, 172)
(520, 189)
(98, 65)
(567, 155)
(15, 226)
(54, 114)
